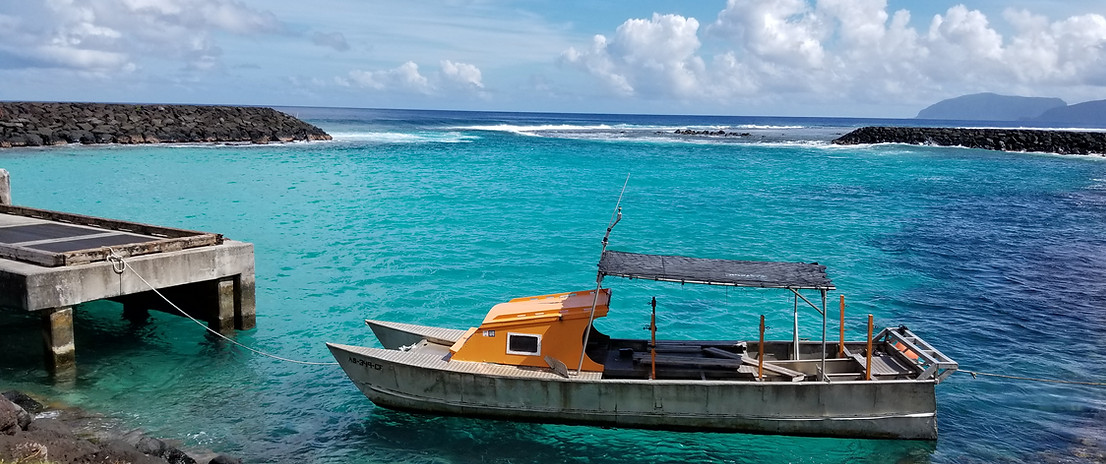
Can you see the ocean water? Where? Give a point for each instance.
(431, 217)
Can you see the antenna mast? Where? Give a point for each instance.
(616, 216)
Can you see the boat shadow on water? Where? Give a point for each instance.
(394, 434)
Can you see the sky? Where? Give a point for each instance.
(849, 58)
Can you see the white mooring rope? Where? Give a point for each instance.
(1032, 379)
(119, 266)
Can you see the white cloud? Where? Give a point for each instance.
(968, 49)
(111, 36)
(782, 31)
(848, 50)
(1065, 51)
(597, 62)
(234, 17)
(406, 78)
(93, 60)
(654, 56)
(464, 74)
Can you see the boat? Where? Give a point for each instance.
(541, 359)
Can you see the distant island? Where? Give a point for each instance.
(1086, 114)
(1038, 110)
(990, 107)
(30, 124)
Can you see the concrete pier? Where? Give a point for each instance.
(52, 261)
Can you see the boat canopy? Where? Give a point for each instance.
(683, 269)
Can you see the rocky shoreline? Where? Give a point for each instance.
(32, 433)
(1023, 140)
(32, 124)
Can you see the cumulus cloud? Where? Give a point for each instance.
(404, 77)
(105, 36)
(787, 32)
(407, 78)
(857, 49)
(463, 74)
(655, 56)
(1065, 51)
(597, 61)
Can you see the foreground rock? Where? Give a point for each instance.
(1046, 141)
(27, 124)
(27, 440)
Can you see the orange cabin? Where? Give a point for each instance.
(523, 331)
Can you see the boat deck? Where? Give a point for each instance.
(631, 359)
(729, 360)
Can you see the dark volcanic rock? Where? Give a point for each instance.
(717, 133)
(58, 448)
(1046, 141)
(50, 425)
(13, 418)
(9, 417)
(24, 439)
(118, 451)
(155, 447)
(37, 124)
(26, 402)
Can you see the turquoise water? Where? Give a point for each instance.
(432, 217)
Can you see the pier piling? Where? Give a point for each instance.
(57, 337)
(5, 188)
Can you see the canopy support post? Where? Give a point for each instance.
(615, 217)
(824, 375)
(868, 352)
(795, 348)
(653, 342)
(760, 351)
(841, 339)
(591, 316)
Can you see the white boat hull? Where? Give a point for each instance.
(425, 381)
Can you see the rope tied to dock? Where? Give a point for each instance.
(119, 265)
(1032, 379)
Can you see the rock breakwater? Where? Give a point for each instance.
(1047, 141)
(30, 124)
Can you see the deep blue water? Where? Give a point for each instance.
(432, 217)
